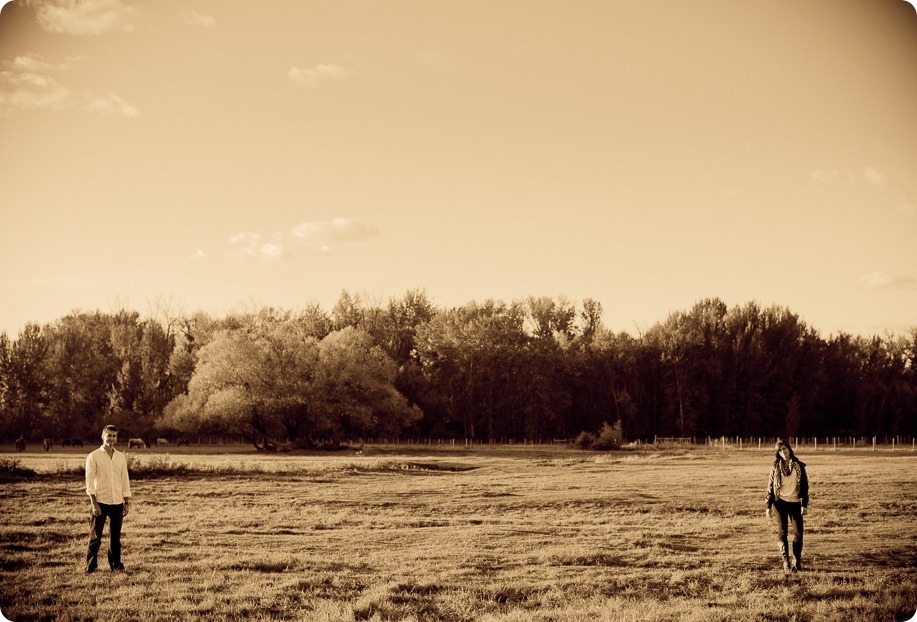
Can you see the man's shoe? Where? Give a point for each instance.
(118, 568)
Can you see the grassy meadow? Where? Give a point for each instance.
(499, 534)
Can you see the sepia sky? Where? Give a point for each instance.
(219, 154)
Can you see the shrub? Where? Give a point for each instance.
(158, 466)
(11, 468)
(610, 437)
(585, 440)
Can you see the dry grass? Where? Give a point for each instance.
(494, 535)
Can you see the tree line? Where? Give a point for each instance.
(540, 367)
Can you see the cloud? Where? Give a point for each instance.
(84, 17)
(197, 255)
(320, 73)
(29, 63)
(885, 281)
(32, 91)
(111, 104)
(30, 85)
(315, 236)
(193, 18)
(323, 235)
(874, 177)
(869, 175)
(36, 63)
(247, 244)
(71, 62)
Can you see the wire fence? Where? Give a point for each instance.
(810, 443)
(733, 443)
(813, 443)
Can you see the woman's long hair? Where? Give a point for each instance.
(789, 448)
(790, 456)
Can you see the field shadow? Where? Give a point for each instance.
(595, 559)
(268, 566)
(900, 558)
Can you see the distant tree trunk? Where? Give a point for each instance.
(470, 410)
(793, 415)
(681, 403)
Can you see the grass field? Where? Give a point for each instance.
(493, 534)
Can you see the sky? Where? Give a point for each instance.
(217, 155)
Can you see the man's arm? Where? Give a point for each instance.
(91, 485)
(125, 486)
(125, 481)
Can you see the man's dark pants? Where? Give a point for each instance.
(96, 524)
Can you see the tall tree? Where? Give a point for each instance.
(276, 386)
(354, 391)
(82, 367)
(25, 384)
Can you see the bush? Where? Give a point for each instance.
(611, 437)
(11, 468)
(585, 440)
(158, 466)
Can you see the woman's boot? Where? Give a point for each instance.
(797, 556)
(784, 556)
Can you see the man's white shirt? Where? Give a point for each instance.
(106, 478)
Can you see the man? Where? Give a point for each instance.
(109, 491)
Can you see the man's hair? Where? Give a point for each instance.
(109, 428)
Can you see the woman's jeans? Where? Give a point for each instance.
(788, 522)
(96, 524)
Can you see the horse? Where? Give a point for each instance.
(47, 443)
(20, 444)
(136, 442)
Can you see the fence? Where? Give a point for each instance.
(469, 442)
(818, 443)
(810, 443)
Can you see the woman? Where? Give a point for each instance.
(788, 494)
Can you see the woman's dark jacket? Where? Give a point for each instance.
(776, 479)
